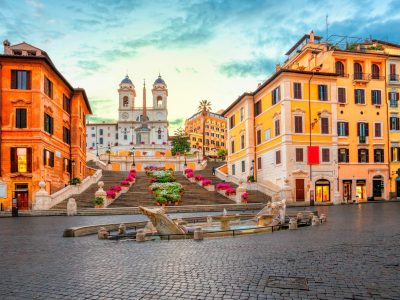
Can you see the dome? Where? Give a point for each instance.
(159, 80)
(126, 80)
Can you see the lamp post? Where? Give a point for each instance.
(184, 154)
(198, 157)
(254, 171)
(133, 156)
(97, 149)
(109, 153)
(72, 170)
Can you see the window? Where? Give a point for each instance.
(21, 160)
(242, 141)
(363, 156)
(101, 140)
(257, 108)
(322, 92)
(101, 131)
(48, 87)
(243, 166)
(125, 101)
(93, 135)
(276, 95)
(343, 155)
(278, 157)
(325, 125)
(392, 75)
(339, 66)
(233, 170)
(378, 130)
(394, 99)
(241, 114)
(359, 96)
(298, 124)
(258, 136)
(259, 163)
(48, 158)
(66, 135)
(66, 165)
(277, 127)
(362, 132)
(343, 128)
(376, 97)
(379, 155)
(20, 79)
(232, 122)
(395, 153)
(267, 134)
(232, 146)
(342, 95)
(20, 118)
(299, 155)
(297, 90)
(394, 123)
(375, 71)
(358, 74)
(66, 104)
(48, 124)
(325, 155)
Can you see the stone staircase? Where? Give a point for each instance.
(85, 199)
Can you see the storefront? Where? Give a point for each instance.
(361, 190)
(322, 190)
(377, 187)
(347, 187)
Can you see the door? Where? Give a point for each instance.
(322, 188)
(377, 186)
(300, 190)
(398, 186)
(347, 190)
(22, 196)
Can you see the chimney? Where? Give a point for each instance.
(277, 67)
(312, 36)
(7, 45)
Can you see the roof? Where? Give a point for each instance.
(274, 76)
(386, 43)
(126, 80)
(301, 40)
(159, 80)
(45, 58)
(210, 114)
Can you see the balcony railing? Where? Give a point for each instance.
(361, 76)
(377, 77)
(393, 77)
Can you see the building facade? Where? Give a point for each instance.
(215, 132)
(42, 126)
(137, 125)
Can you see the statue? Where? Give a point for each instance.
(71, 207)
(161, 221)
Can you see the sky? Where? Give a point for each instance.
(204, 49)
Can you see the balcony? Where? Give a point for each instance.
(361, 77)
(375, 76)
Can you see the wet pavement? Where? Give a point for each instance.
(356, 255)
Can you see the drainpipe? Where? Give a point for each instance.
(255, 144)
(388, 134)
(310, 126)
(70, 142)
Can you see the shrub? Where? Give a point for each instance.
(250, 178)
(75, 180)
(98, 201)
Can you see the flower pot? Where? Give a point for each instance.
(169, 202)
(210, 188)
(176, 203)
(163, 204)
(98, 206)
(158, 204)
(192, 179)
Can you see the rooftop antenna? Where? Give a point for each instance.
(327, 27)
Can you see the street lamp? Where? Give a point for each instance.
(133, 156)
(254, 171)
(198, 157)
(109, 153)
(97, 149)
(184, 153)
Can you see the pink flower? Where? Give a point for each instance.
(199, 177)
(223, 186)
(116, 188)
(189, 175)
(130, 178)
(188, 171)
(164, 143)
(245, 196)
(124, 183)
(153, 143)
(230, 192)
(153, 179)
(206, 182)
(142, 142)
(110, 194)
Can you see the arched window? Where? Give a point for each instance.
(125, 101)
(339, 68)
(159, 101)
(358, 71)
(375, 71)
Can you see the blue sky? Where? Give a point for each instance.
(213, 50)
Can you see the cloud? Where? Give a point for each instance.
(177, 122)
(89, 66)
(252, 67)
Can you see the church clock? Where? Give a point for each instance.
(125, 115)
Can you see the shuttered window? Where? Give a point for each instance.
(359, 96)
(363, 156)
(325, 125)
(276, 95)
(299, 155)
(20, 118)
(20, 160)
(258, 136)
(298, 124)
(297, 90)
(378, 130)
(48, 124)
(259, 163)
(257, 108)
(277, 127)
(48, 158)
(376, 97)
(325, 155)
(48, 87)
(343, 155)
(323, 92)
(66, 135)
(343, 128)
(378, 155)
(20, 79)
(278, 157)
(66, 104)
(342, 95)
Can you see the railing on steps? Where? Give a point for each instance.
(43, 200)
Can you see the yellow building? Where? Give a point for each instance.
(215, 132)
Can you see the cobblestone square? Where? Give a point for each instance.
(355, 255)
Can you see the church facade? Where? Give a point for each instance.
(138, 124)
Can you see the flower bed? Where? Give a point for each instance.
(206, 182)
(163, 186)
(199, 177)
(230, 192)
(222, 186)
(161, 176)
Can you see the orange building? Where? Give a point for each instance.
(42, 133)
(215, 132)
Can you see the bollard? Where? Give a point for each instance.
(102, 234)
(323, 218)
(198, 234)
(140, 236)
(293, 223)
(122, 229)
(315, 221)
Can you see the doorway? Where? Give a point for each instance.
(300, 190)
(398, 187)
(22, 195)
(361, 189)
(377, 186)
(322, 190)
(347, 190)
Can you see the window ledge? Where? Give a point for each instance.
(12, 175)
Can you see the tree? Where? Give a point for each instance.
(204, 108)
(180, 142)
(222, 152)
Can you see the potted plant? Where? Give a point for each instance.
(207, 184)
(110, 194)
(244, 197)
(190, 176)
(98, 202)
(75, 181)
(125, 184)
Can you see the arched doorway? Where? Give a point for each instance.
(322, 190)
(377, 186)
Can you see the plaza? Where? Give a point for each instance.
(353, 256)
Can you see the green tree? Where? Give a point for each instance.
(222, 152)
(180, 142)
(204, 108)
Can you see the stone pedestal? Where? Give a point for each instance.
(240, 190)
(198, 234)
(315, 221)
(210, 188)
(122, 229)
(287, 191)
(140, 236)
(293, 223)
(102, 234)
(101, 193)
(71, 207)
(42, 198)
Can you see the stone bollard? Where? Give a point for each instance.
(71, 207)
(292, 223)
(102, 234)
(198, 234)
(122, 229)
(300, 216)
(140, 236)
(315, 220)
(323, 218)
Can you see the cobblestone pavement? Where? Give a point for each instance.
(356, 255)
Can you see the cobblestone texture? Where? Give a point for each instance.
(354, 256)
